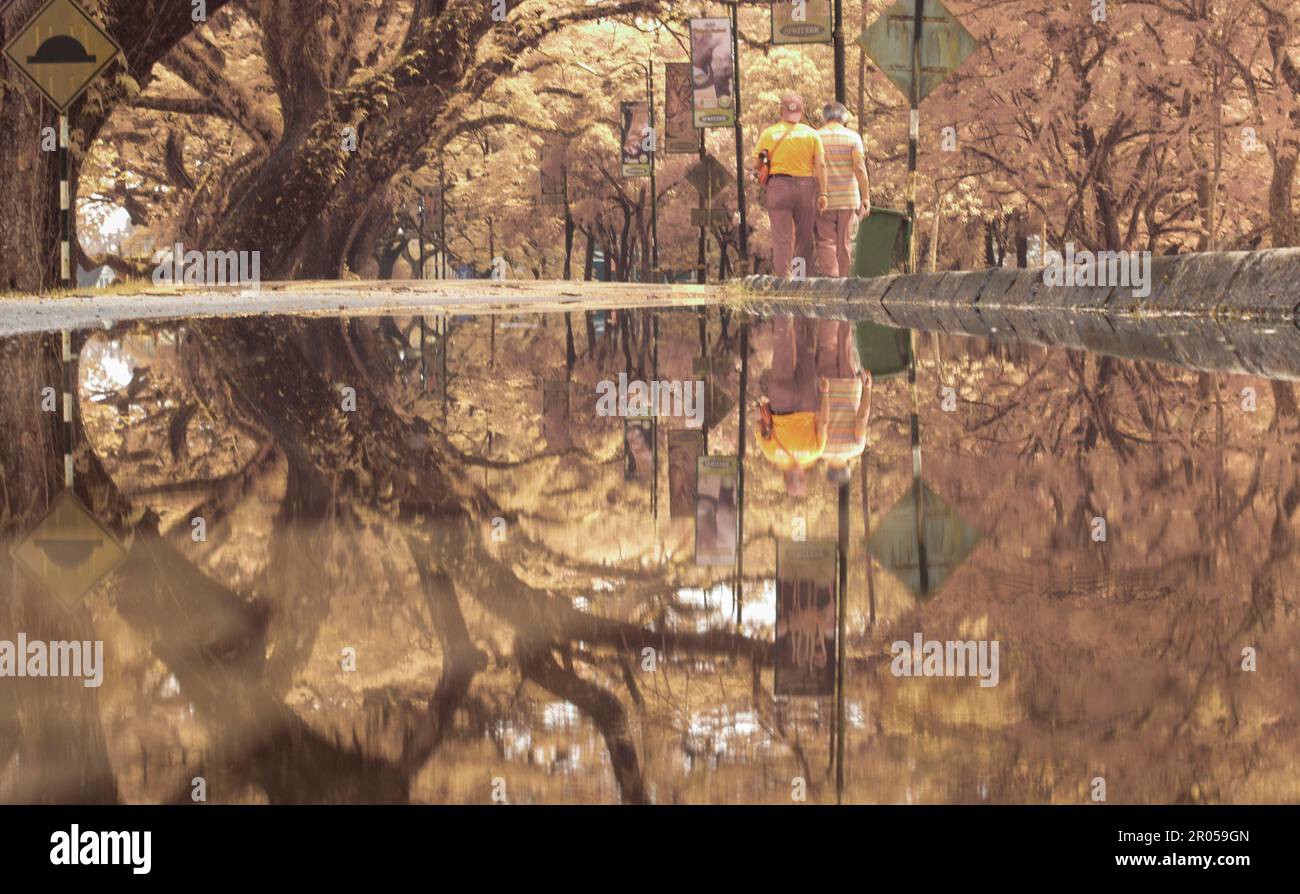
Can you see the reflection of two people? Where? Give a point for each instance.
(818, 401)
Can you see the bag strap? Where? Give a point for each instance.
(781, 444)
(771, 156)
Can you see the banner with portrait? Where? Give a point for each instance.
(680, 135)
(715, 510)
(685, 447)
(713, 70)
(805, 618)
(636, 135)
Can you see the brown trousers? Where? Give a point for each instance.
(792, 208)
(836, 229)
(792, 382)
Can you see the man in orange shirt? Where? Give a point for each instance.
(796, 191)
(798, 411)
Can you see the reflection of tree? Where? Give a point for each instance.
(1125, 655)
(376, 473)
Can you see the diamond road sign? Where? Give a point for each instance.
(69, 551)
(945, 540)
(62, 50)
(709, 177)
(945, 44)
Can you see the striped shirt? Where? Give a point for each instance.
(842, 443)
(841, 184)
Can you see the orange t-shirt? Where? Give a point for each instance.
(794, 440)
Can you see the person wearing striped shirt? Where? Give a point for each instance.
(846, 395)
(848, 193)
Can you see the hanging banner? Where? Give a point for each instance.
(552, 171)
(636, 138)
(555, 414)
(801, 21)
(685, 447)
(713, 73)
(715, 510)
(805, 618)
(680, 135)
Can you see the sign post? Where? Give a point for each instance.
(917, 44)
(62, 51)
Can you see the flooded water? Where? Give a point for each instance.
(363, 571)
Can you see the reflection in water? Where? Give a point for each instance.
(518, 608)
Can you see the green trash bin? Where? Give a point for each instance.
(882, 242)
(884, 352)
(879, 246)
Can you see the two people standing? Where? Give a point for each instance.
(817, 190)
(818, 395)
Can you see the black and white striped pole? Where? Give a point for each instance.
(913, 129)
(65, 280)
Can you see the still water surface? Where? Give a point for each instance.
(438, 580)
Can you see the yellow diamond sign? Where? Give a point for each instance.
(62, 50)
(922, 551)
(69, 551)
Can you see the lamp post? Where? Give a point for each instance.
(648, 71)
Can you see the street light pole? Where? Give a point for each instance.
(654, 196)
(743, 236)
(648, 71)
(841, 89)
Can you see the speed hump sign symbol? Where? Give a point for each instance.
(62, 51)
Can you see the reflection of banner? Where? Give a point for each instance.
(555, 413)
(713, 72)
(635, 138)
(552, 171)
(685, 447)
(715, 510)
(805, 618)
(680, 135)
(638, 447)
(801, 21)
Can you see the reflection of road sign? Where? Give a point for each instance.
(709, 177)
(946, 539)
(717, 403)
(945, 44)
(69, 551)
(62, 50)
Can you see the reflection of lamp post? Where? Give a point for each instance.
(419, 218)
(648, 70)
